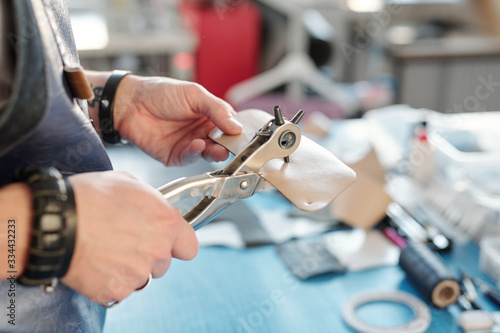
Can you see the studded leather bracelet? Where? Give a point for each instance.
(106, 107)
(54, 226)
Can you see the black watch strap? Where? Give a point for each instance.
(54, 226)
(106, 106)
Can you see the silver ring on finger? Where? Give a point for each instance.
(145, 284)
(110, 304)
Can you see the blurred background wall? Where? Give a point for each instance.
(442, 55)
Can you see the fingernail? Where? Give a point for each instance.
(232, 123)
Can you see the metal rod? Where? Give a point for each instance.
(297, 117)
(278, 116)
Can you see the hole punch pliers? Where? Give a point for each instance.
(240, 179)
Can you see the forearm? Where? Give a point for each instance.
(15, 228)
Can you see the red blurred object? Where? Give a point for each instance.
(393, 235)
(228, 42)
(183, 60)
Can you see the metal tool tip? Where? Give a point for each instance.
(296, 119)
(278, 116)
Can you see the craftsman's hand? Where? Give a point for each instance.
(126, 230)
(171, 119)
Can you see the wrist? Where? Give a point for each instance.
(124, 98)
(16, 204)
(97, 81)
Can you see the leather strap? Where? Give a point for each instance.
(312, 178)
(78, 83)
(106, 106)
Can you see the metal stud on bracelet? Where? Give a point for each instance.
(106, 107)
(54, 226)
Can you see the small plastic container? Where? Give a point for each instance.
(469, 159)
(489, 257)
(466, 149)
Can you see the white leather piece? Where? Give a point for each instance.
(312, 178)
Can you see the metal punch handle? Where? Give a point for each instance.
(240, 179)
(218, 192)
(188, 187)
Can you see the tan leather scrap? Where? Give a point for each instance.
(312, 179)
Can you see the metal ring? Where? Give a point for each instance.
(145, 284)
(110, 304)
(419, 324)
(114, 303)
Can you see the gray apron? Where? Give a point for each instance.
(44, 125)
